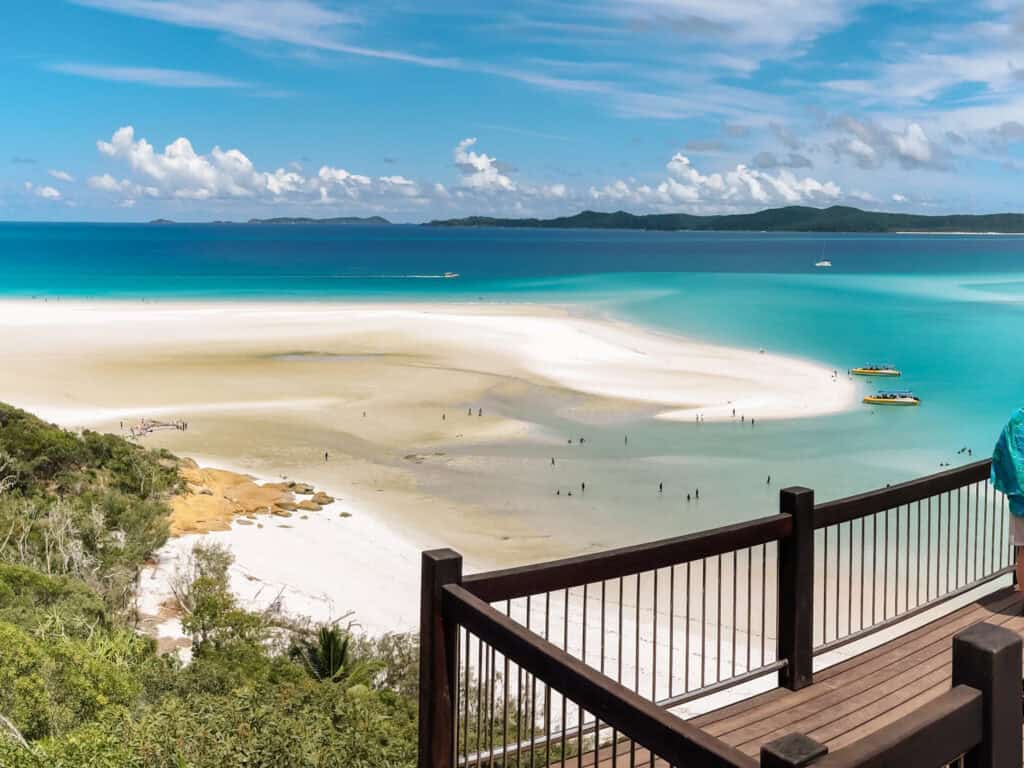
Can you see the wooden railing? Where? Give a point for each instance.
(588, 655)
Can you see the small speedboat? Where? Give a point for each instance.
(893, 398)
(876, 370)
(450, 275)
(823, 264)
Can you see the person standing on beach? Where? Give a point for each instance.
(325, 456)
(1008, 478)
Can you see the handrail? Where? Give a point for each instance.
(666, 735)
(881, 499)
(511, 583)
(936, 733)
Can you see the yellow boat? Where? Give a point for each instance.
(893, 398)
(875, 370)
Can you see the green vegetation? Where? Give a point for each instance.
(794, 218)
(81, 687)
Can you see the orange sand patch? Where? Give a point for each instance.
(213, 498)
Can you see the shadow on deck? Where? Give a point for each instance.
(859, 696)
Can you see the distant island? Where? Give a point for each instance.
(793, 218)
(299, 220)
(334, 220)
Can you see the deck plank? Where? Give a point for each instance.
(867, 692)
(908, 649)
(852, 699)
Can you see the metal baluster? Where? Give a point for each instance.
(671, 626)
(967, 536)
(928, 555)
(459, 725)
(949, 536)
(896, 568)
(615, 733)
(654, 641)
(583, 631)
(992, 545)
(718, 621)
(565, 640)
(849, 578)
(824, 591)
(984, 536)
(504, 709)
(750, 603)
(533, 691)
(547, 688)
(1003, 525)
(703, 615)
(580, 712)
(764, 595)
(956, 567)
(885, 570)
(479, 697)
(636, 655)
(917, 566)
(839, 570)
(734, 577)
(465, 714)
(862, 526)
(491, 710)
(520, 711)
(906, 604)
(974, 546)
(686, 637)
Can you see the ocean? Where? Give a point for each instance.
(948, 310)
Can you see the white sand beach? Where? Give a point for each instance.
(373, 402)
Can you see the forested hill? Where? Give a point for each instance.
(81, 686)
(793, 218)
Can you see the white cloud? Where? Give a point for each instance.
(179, 171)
(870, 144)
(914, 145)
(739, 187)
(45, 192)
(166, 78)
(898, 198)
(107, 183)
(296, 22)
(772, 24)
(480, 171)
(61, 175)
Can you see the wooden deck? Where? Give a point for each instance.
(855, 698)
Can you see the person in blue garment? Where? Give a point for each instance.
(1008, 478)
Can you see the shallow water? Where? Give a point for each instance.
(947, 310)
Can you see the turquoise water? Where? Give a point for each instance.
(949, 311)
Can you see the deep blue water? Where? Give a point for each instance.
(948, 310)
(241, 260)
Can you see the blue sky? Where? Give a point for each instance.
(201, 109)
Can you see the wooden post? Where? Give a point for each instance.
(988, 657)
(794, 750)
(438, 649)
(796, 590)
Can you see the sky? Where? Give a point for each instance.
(194, 110)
